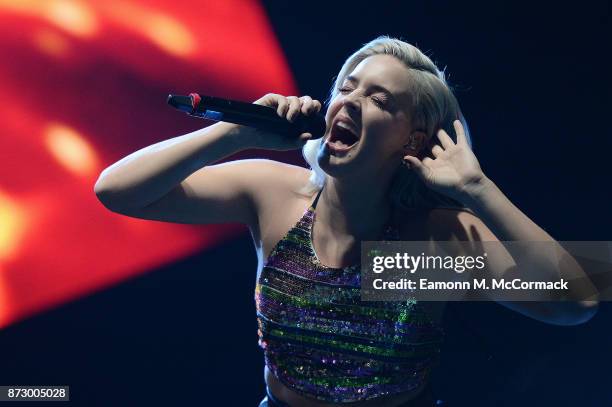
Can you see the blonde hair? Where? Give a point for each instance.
(433, 107)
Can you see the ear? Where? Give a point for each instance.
(416, 142)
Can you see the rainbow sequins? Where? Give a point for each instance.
(323, 342)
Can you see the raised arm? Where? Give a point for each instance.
(174, 180)
(455, 171)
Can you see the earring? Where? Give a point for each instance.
(411, 144)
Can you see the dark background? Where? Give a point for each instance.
(533, 81)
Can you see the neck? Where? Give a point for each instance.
(356, 208)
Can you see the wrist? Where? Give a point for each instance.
(477, 192)
(239, 136)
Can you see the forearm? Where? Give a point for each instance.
(151, 172)
(542, 255)
(505, 220)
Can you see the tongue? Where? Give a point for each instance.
(339, 143)
(342, 138)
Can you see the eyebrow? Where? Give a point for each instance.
(376, 88)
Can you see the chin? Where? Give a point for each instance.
(335, 164)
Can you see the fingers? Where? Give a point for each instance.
(309, 105)
(304, 137)
(290, 107)
(420, 167)
(437, 150)
(294, 107)
(282, 105)
(445, 139)
(304, 105)
(461, 138)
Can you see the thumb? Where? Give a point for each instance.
(304, 137)
(417, 166)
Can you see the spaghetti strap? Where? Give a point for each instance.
(314, 203)
(294, 286)
(391, 231)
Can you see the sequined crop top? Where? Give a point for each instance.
(320, 340)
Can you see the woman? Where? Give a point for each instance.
(386, 168)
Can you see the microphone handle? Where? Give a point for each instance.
(248, 114)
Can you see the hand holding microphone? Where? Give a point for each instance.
(291, 109)
(273, 122)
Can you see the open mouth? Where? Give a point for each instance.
(342, 137)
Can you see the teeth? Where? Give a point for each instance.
(345, 126)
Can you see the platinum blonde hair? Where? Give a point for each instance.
(433, 107)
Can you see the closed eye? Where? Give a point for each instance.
(378, 102)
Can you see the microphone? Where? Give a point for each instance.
(247, 114)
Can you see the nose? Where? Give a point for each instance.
(351, 102)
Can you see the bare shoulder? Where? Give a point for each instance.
(266, 179)
(279, 201)
(262, 168)
(443, 224)
(274, 186)
(277, 181)
(286, 175)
